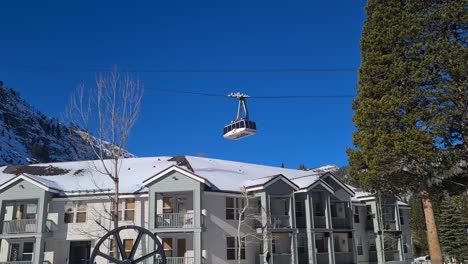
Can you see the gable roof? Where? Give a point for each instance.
(176, 169)
(37, 181)
(262, 183)
(340, 183)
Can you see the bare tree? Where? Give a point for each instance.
(250, 220)
(108, 110)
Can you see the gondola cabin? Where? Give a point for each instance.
(240, 129)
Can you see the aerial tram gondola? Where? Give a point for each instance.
(242, 127)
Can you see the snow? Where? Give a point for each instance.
(87, 176)
(306, 181)
(81, 177)
(231, 175)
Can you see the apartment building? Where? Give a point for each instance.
(56, 213)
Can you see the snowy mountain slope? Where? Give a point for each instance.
(28, 136)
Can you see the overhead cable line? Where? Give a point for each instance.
(255, 97)
(192, 70)
(278, 70)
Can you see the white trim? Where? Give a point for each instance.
(179, 170)
(224, 194)
(346, 188)
(319, 182)
(30, 180)
(98, 197)
(270, 182)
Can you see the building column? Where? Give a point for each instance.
(354, 246)
(41, 228)
(294, 252)
(378, 226)
(309, 226)
(267, 237)
(331, 248)
(197, 246)
(38, 257)
(197, 205)
(401, 251)
(328, 216)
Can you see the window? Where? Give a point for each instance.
(167, 205)
(230, 208)
(21, 251)
(233, 207)
(14, 252)
(81, 212)
(167, 245)
(402, 218)
(333, 210)
(232, 249)
(128, 245)
(28, 248)
(356, 214)
(299, 209)
(129, 214)
(359, 246)
(318, 209)
(273, 244)
(75, 212)
(405, 245)
(69, 215)
(321, 243)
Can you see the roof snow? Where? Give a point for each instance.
(90, 177)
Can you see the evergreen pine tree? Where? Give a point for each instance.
(418, 228)
(453, 228)
(411, 106)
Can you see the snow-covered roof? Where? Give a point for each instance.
(83, 177)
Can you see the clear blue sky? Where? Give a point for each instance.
(48, 47)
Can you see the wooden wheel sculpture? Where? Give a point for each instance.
(157, 253)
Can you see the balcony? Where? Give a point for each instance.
(340, 223)
(281, 221)
(20, 226)
(180, 260)
(320, 222)
(278, 258)
(175, 220)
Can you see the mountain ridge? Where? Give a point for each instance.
(28, 136)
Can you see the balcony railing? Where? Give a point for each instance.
(392, 255)
(340, 223)
(281, 221)
(343, 257)
(278, 258)
(323, 257)
(16, 262)
(180, 260)
(389, 225)
(320, 222)
(20, 226)
(175, 220)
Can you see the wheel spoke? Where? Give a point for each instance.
(118, 240)
(110, 258)
(135, 245)
(146, 256)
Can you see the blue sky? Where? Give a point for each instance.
(48, 47)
